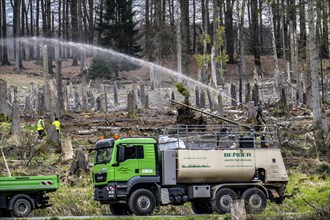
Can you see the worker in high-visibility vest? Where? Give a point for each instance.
(41, 127)
(57, 125)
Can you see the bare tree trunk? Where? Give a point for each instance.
(103, 97)
(37, 31)
(233, 95)
(16, 32)
(278, 82)
(91, 21)
(213, 82)
(5, 60)
(194, 27)
(59, 85)
(229, 30)
(15, 128)
(46, 78)
(3, 98)
(220, 104)
(75, 34)
(84, 95)
(115, 93)
(255, 34)
(178, 50)
(241, 61)
(313, 63)
(184, 6)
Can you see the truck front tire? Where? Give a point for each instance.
(120, 209)
(142, 202)
(21, 207)
(255, 200)
(223, 199)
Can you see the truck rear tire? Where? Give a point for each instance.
(21, 207)
(201, 206)
(255, 200)
(223, 199)
(120, 209)
(142, 202)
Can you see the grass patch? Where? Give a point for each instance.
(307, 191)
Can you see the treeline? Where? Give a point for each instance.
(215, 31)
(148, 28)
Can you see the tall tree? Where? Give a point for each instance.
(184, 7)
(313, 62)
(302, 36)
(5, 60)
(255, 36)
(241, 61)
(16, 31)
(74, 25)
(229, 30)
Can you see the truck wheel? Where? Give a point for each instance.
(21, 207)
(120, 209)
(255, 200)
(201, 206)
(223, 199)
(142, 202)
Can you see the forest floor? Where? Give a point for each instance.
(296, 140)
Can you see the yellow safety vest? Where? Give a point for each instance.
(57, 125)
(41, 125)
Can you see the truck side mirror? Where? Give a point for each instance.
(121, 154)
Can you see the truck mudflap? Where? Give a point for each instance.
(105, 194)
(278, 195)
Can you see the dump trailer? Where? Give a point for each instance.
(209, 166)
(21, 194)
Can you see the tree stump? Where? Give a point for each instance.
(66, 150)
(3, 98)
(146, 101)
(173, 96)
(247, 92)
(220, 105)
(233, 95)
(15, 128)
(202, 101)
(237, 210)
(52, 138)
(197, 97)
(115, 93)
(79, 164)
(252, 113)
(255, 94)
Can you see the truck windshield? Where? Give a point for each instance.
(103, 155)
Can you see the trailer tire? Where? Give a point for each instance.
(255, 200)
(142, 202)
(223, 198)
(120, 209)
(21, 207)
(201, 206)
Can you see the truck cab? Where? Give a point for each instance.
(122, 164)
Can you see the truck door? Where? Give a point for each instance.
(129, 166)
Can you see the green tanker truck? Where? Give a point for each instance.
(209, 166)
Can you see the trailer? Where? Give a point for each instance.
(209, 166)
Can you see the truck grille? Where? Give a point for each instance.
(100, 177)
